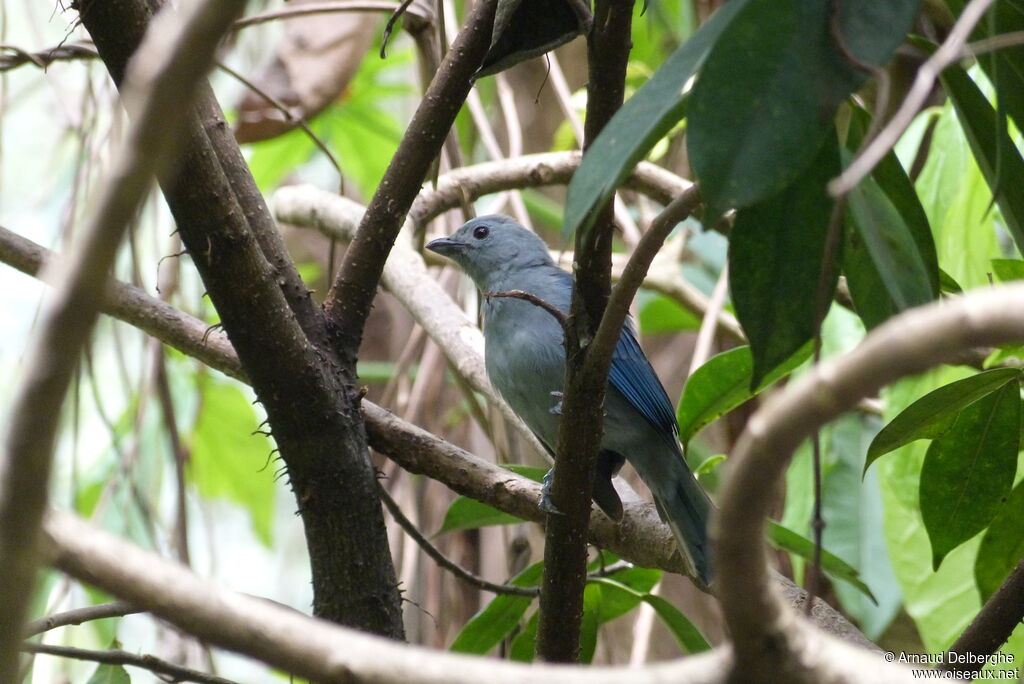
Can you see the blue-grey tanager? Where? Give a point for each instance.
(525, 360)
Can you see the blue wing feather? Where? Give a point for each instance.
(632, 375)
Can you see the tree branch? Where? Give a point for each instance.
(607, 335)
(337, 217)
(301, 645)
(79, 615)
(950, 51)
(353, 291)
(580, 430)
(991, 627)
(133, 306)
(770, 641)
(160, 88)
(119, 657)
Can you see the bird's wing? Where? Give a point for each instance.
(632, 375)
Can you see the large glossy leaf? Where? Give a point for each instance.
(933, 414)
(722, 384)
(891, 248)
(889, 255)
(775, 262)
(998, 158)
(968, 471)
(499, 617)
(770, 87)
(1005, 66)
(784, 538)
(643, 120)
(1002, 545)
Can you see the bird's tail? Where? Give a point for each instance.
(685, 506)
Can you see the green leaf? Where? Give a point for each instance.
(775, 261)
(661, 314)
(834, 566)
(616, 603)
(997, 156)
(968, 472)
(643, 120)
(524, 645)
(1004, 67)
(941, 603)
(891, 248)
(709, 464)
(948, 284)
(1008, 269)
(1002, 546)
(593, 597)
(469, 514)
(933, 414)
(722, 384)
(227, 460)
(110, 674)
(769, 89)
(688, 636)
(499, 617)
(889, 255)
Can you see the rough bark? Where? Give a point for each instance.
(580, 433)
(311, 401)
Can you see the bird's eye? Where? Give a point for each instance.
(480, 232)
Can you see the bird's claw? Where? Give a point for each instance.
(546, 504)
(557, 408)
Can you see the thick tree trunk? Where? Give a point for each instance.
(310, 398)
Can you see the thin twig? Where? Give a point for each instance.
(607, 334)
(119, 657)
(398, 11)
(77, 616)
(823, 299)
(560, 316)
(289, 116)
(948, 52)
(17, 56)
(442, 560)
(315, 8)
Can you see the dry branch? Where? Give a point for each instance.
(301, 645)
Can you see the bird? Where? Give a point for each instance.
(524, 355)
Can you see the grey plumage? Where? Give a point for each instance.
(525, 361)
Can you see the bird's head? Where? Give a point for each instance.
(489, 247)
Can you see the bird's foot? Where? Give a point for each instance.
(546, 504)
(557, 408)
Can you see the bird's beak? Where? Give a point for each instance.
(446, 246)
